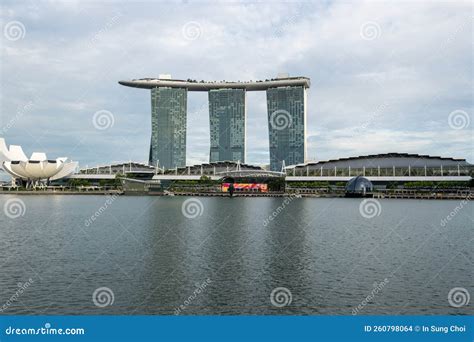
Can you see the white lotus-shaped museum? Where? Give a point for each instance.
(38, 167)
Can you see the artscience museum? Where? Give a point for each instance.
(36, 170)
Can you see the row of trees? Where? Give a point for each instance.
(74, 183)
(438, 185)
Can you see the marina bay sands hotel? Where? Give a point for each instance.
(286, 109)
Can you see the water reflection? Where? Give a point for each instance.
(155, 259)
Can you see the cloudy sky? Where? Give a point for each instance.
(385, 76)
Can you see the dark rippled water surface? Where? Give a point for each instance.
(230, 258)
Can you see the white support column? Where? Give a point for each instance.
(349, 170)
(409, 170)
(321, 171)
(393, 170)
(189, 170)
(214, 171)
(425, 170)
(378, 170)
(176, 170)
(307, 170)
(441, 170)
(459, 171)
(335, 171)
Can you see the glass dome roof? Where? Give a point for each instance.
(359, 184)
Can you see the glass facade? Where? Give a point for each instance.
(227, 125)
(371, 171)
(286, 108)
(168, 127)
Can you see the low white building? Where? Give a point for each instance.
(36, 169)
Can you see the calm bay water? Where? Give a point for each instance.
(229, 259)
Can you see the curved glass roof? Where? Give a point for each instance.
(359, 184)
